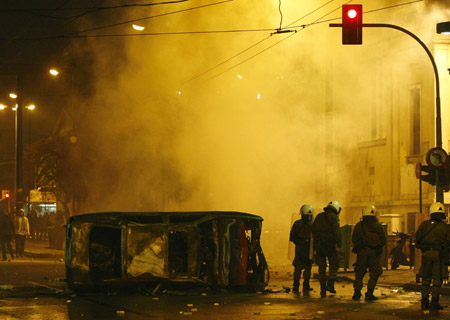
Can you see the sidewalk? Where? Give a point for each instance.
(40, 249)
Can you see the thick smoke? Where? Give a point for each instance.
(263, 137)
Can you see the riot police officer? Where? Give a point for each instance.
(300, 235)
(368, 240)
(432, 239)
(327, 242)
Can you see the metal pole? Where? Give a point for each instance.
(420, 193)
(439, 191)
(19, 146)
(29, 168)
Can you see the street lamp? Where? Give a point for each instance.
(18, 186)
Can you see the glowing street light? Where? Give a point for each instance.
(2, 107)
(13, 96)
(31, 107)
(53, 72)
(138, 28)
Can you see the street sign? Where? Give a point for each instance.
(436, 157)
(418, 170)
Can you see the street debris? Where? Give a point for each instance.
(120, 313)
(6, 287)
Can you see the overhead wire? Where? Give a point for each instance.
(73, 35)
(89, 10)
(317, 21)
(281, 14)
(250, 47)
(364, 12)
(264, 50)
(147, 18)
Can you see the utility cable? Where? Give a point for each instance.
(281, 14)
(225, 61)
(317, 21)
(147, 18)
(89, 10)
(365, 12)
(252, 46)
(264, 50)
(73, 35)
(310, 13)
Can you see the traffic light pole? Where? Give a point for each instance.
(439, 191)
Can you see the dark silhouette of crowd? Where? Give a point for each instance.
(16, 228)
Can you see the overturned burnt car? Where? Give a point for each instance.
(214, 248)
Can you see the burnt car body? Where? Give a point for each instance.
(214, 248)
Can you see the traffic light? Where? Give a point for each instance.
(444, 178)
(431, 176)
(352, 24)
(5, 194)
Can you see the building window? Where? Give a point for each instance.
(414, 98)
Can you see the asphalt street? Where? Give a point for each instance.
(33, 287)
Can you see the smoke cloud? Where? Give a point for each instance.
(262, 136)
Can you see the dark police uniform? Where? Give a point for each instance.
(368, 240)
(300, 235)
(432, 239)
(327, 237)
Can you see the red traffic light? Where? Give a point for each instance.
(352, 24)
(7, 195)
(352, 13)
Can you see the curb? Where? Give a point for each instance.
(43, 255)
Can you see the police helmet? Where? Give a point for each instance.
(369, 211)
(437, 207)
(307, 212)
(334, 206)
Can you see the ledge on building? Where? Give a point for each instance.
(372, 143)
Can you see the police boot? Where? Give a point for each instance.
(434, 304)
(323, 286)
(425, 303)
(295, 288)
(330, 286)
(306, 286)
(369, 296)
(357, 295)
